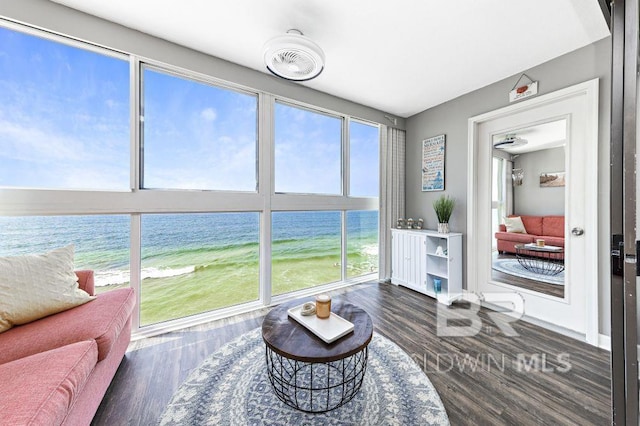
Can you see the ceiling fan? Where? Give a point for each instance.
(510, 140)
(293, 56)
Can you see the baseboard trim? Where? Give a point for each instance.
(604, 342)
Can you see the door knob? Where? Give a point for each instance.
(577, 231)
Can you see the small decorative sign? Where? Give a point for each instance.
(433, 150)
(524, 90)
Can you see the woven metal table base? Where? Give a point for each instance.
(316, 387)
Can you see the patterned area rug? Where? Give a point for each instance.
(231, 387)
(512, 267)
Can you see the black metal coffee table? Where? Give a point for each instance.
(309, 374)
(540, 260)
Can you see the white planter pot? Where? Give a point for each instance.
(443, 228)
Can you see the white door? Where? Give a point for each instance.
(409, 259)
(577, 311)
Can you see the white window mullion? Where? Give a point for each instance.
(135, 263)
(346, 173)
(136, 121)
(135, 232)
(265, 190)
(344, 244)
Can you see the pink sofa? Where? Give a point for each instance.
(549, 228)
(56, 370)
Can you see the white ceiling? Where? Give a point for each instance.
(538, 137)
(401, 56)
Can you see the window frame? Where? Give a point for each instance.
(78, 44)
(173, 71)
(343, 143)
(136, 201)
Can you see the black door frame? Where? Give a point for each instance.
(624, 108)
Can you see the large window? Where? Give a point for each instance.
(230, 206)
(198, 136)
(501, 192)
(364, 160)
(362, 243)
(308, 148)
(305, 250)
(194, 263)
(64, 115)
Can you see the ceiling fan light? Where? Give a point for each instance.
(510, 141)
(293, 56)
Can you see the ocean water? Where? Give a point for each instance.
(180, 245)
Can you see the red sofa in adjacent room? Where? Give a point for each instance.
(55, 370)
(548, 228)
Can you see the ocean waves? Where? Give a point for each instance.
(119, 277)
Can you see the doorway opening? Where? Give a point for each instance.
(528, 179)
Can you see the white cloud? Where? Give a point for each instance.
(209, 114)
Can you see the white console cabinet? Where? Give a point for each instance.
(416, 262)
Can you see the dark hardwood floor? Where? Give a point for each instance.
(539, 286)
(537, 378)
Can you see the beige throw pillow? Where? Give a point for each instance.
(35, 286)
(514, 224)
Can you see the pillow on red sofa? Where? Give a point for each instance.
(514, 224)
(35, 286)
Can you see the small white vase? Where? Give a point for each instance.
(443, 228)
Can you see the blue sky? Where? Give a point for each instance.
(64, 115)
(64, 123)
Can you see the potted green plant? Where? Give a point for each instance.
(444, 207)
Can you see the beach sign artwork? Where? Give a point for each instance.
(433, 163)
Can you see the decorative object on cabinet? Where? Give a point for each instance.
(433, 150)
(444, 208)
(416, 265)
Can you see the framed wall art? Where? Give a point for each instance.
(433, 150)
(552, 179)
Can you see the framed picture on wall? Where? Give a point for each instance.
(433, 150)
(552, 179)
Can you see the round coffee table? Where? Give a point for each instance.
(540, 260)
(309, 374)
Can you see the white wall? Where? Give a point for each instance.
(451, 118)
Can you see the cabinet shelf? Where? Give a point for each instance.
(439, 274)
(443, 256)
(415, 264)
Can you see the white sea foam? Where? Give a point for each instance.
(114, 277)
(370, 250)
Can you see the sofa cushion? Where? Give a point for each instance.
(552, 241)
(102, 320)
(34, 286)
(533, 224)
(514, 224)
(516, 238)
(40, 389)
(553, 226)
